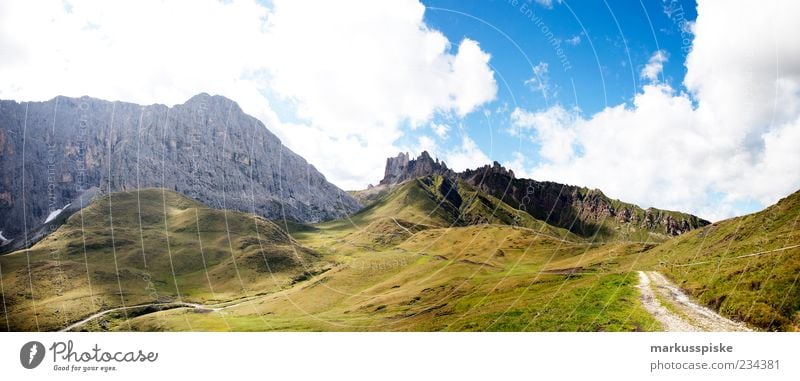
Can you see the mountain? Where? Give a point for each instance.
(207, 148)
(438, 201)
(585, 212)
(747, 268)
(147, 246)
(402, 168)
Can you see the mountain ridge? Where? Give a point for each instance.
(583, 211)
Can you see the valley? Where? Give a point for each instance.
(410, 261)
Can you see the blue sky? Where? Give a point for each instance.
(681, 105)
(605, 45)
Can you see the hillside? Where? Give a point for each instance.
(747, 268)
(146, 246)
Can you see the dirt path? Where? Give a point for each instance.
(108, 311)
(676, 312)
(165, 306)
(215, 307)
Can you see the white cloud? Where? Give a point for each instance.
(353, 70)
(655, 65)
(545, 3)
(574, 40)
(363, 80)
(540, 80)
(518, 164)
(425, 143)
(142, 51)
(556, 141)
(468, 155)
(541, 69)
(440, 129)
(732, 139)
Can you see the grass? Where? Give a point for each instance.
(419, 258)
(462, 278)
(182, 252)
(746, 268)
(592, 303)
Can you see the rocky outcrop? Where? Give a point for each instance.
(584, 211)
(206, 148)
(402, 168)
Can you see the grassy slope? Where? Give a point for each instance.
(412, 260)
(244, 255)
(441, 279)
(436, 273)
(424, 202)
(747, 267)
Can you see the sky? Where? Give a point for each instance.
(681, 105)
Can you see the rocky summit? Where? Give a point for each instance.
(207, 148)
(402, 168)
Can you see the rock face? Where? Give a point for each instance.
(402, 168)
(586, 212)
(581, 210)
(206, 148)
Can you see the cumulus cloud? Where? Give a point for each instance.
(518, 164)
(731, 139)
(654, 66)
(142, 51)
(425, 143)
(361, 82)
(467, 155)
(342, 74)
(549, 126)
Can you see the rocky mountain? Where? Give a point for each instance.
(207, 148)
(586, 212)
(402, 168)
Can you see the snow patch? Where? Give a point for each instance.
(55, 214)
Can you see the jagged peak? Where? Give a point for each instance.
(403, 167)
(494, 168)
(424, 156)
